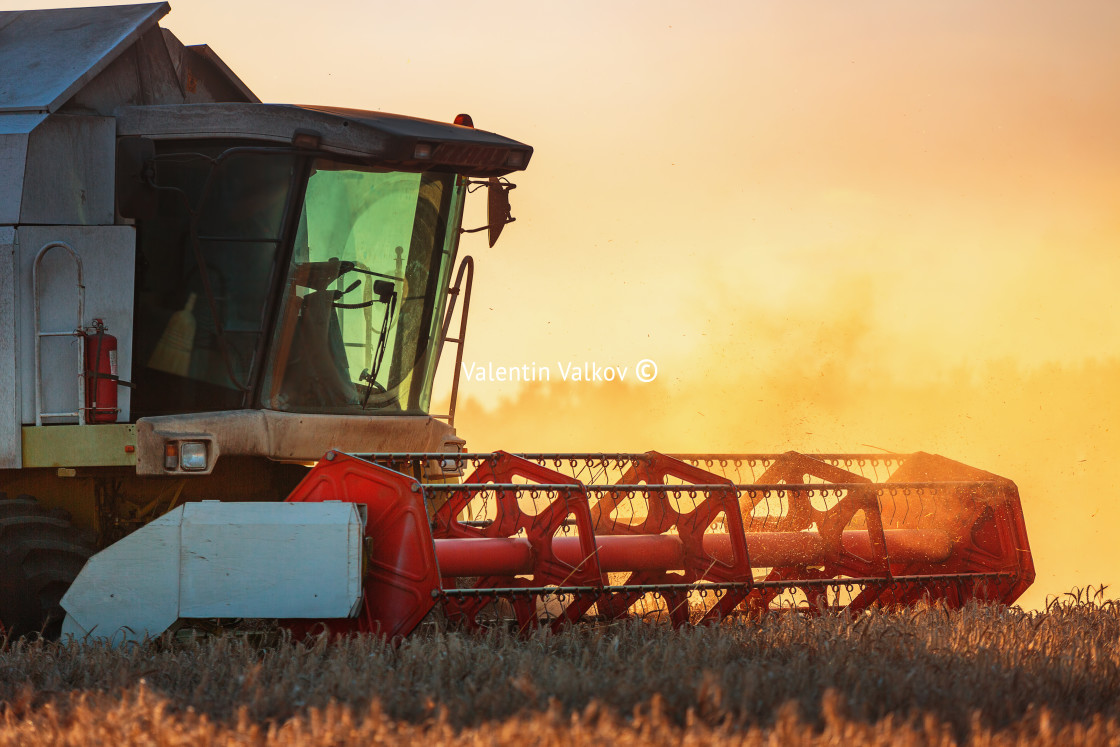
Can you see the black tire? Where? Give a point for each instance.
(41, 553)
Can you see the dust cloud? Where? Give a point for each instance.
(824, 375)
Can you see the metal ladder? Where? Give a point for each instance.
(76, 331)
(466, 267)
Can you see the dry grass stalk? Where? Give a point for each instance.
(924, 676)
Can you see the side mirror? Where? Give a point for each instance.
(498, 212)
(136, 197)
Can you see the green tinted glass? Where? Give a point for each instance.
(364, 294)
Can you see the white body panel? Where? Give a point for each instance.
(11, 448)
(131, 588)
(69, 172)
(218, 559)
(108, 255)
(13, 157)
(57, 52)
(270, 560)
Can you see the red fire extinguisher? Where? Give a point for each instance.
(101, 374)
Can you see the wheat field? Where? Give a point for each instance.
(981, 675)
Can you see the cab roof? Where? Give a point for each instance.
(376, 138)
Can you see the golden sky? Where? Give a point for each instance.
(830, 224)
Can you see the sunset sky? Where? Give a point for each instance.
(830, 224)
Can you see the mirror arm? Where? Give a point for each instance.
(498, 212)
(510, 219)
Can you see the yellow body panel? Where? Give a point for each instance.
(110, 445)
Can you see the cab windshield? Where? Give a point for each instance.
(360, 306)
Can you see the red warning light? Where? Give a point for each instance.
(464, 120)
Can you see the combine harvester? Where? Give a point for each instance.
(202, 295)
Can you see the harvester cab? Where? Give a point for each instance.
(204, 288)
(221, 320)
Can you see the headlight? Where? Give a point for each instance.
(192, 456)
